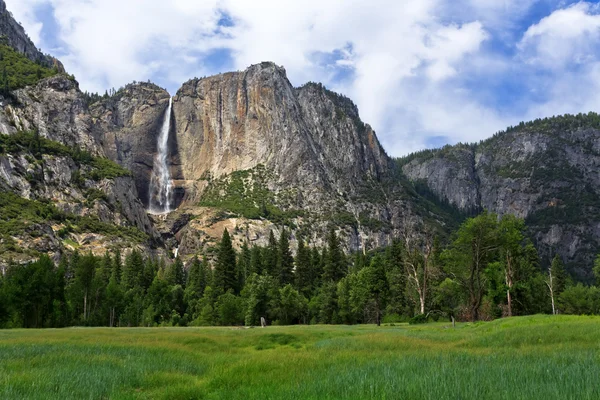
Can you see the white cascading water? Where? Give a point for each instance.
(161, 186)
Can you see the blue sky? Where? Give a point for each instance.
(423, 73)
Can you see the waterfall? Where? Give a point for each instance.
(160, 182)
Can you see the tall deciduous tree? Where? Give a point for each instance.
(418, 260)
(470, 253)
(556, 281)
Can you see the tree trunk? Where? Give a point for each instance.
(550, 285)
(378, 313)
(85, 306)
(509, 302)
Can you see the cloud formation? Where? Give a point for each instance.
(422, 72)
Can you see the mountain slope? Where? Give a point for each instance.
(17, 38)
(546, 171)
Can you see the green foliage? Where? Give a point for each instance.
(31, 142)
(285, 261)
(246, 193)
(418, 319)
(20, 214)
(18, 71)
(225, 270)
(580, 299)
(488, 271)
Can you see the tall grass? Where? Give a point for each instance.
(538, 357)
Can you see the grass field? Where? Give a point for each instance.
(539, 357)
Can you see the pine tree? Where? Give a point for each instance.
(396, 275)
(114, 297)
(176, 273)
(256, 261)
(304, 269)
(84, 276)
(225, 270)
(285, 261)
(270, 254)
(132, 275)
(243, 264)
(196, 282)
(334, 269)
(317, 260)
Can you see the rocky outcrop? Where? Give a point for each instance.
(56, 109)
(127, 126)
(16, 37)
(547, 172)
(311, 149)
(307, 137)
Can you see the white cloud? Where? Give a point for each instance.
(408, 64)
(567, 36)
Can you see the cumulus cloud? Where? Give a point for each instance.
(570, 35)
(418, 69)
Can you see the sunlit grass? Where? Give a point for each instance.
(520, 358)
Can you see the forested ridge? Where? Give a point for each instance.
(488, 270)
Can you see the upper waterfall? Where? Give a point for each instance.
(161, 186)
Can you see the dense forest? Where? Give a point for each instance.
(488, 270)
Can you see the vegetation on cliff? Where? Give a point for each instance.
(30, 142)
(18, 71)
(246, 194)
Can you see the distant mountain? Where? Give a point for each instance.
(546, 171)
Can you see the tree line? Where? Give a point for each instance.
(487, 270)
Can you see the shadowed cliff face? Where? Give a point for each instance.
(128, 125)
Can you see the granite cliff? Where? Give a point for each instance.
(546, 171)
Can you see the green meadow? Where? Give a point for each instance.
(537, 357)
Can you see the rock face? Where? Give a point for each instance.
(56, 109)
(307, 136)
(308, 145)
(16, 37)
(547, 172)
(127, 126)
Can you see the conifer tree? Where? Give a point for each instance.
(285, 261)
(176, 273)
(334, 268)
(304, 269)
(225, 275)
(256, 261)
(243, 264)
(117, 267)
(133, 270)
(270, 254)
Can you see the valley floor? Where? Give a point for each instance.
(538, 357)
